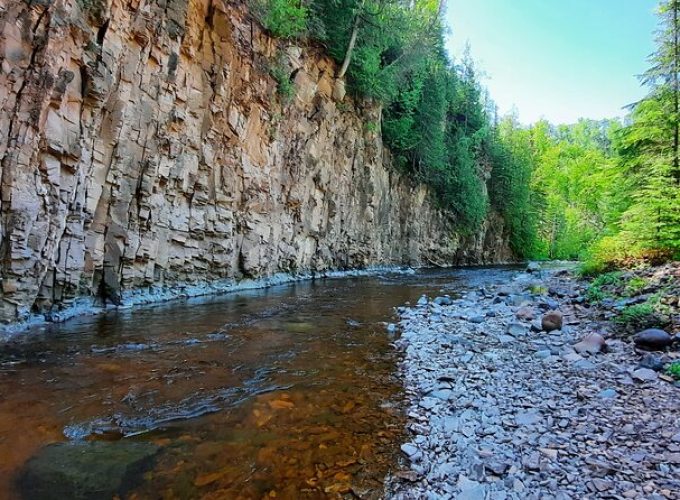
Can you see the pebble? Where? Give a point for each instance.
(504, 411)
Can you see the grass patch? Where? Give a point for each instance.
(673, 370)
(640, 316)
(635, 285)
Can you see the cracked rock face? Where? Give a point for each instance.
(143, 144)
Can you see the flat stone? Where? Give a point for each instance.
(527, 418)
(592, 343)
(584, 365)
(645, 375)
(516, 329)
(409, 450)
(607, 394)
(525, 313)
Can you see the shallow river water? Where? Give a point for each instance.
(290, 391)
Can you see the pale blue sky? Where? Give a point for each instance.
(558, 59)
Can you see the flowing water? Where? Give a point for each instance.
(290, 391)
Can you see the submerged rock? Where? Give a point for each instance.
(653, 339)
(86, 471)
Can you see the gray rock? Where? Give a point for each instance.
(443, 301)
(525, 313)
(533, 267)
(652, 362)
(607, 394)
(527, 418)
(584, 365)
(653, 339)
(592, 343)
(518, 300)
(476, 319)
(543, 354)
(409, 449)
(645, 375)
(86, 470)
(536, 326)
(516, 329)
(422, 301)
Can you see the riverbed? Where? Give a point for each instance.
(289, 391)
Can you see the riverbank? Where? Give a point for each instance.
(150, 296)
(501, 408)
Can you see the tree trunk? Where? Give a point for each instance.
(352, 40)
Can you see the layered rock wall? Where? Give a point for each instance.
(143, 143)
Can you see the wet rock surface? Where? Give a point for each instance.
(508, 410)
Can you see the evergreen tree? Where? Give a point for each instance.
(650, 146)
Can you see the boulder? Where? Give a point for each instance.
(552, 320)
(86, 470)
(592, 343)
(443, 301)
(533, 267)
(653, 339)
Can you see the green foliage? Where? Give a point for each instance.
(371, 127)
(282, 18)
(635, 285)
(434, 120)
(596, 290)
(513, 160)
(285, 87)
(673, 370)
(638, 316)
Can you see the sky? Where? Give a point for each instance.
(556, 59)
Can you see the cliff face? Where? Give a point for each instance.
(143, 143)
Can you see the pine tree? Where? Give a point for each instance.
(650, 146)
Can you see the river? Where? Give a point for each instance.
(290, 391)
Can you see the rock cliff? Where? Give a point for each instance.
(143, 143)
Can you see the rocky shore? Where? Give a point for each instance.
(527, 389)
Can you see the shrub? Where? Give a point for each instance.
(674, 370)
(282, 18)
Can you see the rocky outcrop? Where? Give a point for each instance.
(143, 143)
